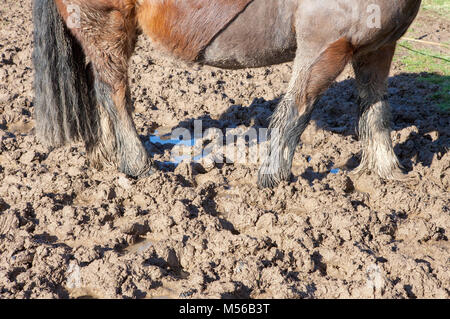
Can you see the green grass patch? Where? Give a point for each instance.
(441, 7)
(432, 67)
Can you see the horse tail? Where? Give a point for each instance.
(65, 109)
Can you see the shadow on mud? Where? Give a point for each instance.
(413, 103)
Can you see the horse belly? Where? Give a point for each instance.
(263, 34)
(186, 27)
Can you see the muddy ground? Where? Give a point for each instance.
(202, 230)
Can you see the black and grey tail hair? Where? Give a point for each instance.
(64, 104)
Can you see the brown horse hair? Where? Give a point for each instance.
(186, 28)
(107, 34)
(327, 67)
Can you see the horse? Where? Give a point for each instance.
(82, 50)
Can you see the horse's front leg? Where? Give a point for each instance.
(107, 36)
(316, 66)
(374, 125)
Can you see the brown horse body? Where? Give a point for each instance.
(322, 37)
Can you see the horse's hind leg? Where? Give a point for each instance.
(107, 35)
(315, 68)
(374, 127)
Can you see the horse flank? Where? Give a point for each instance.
(186, 27)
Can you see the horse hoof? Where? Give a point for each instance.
(143, 171)
(148, 172)
(266, 181)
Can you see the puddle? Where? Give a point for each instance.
(335, 171)
(185, 147)
(166, 138)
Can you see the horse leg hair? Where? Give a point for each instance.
(107, 35)
(313, 74)
(374, 125)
